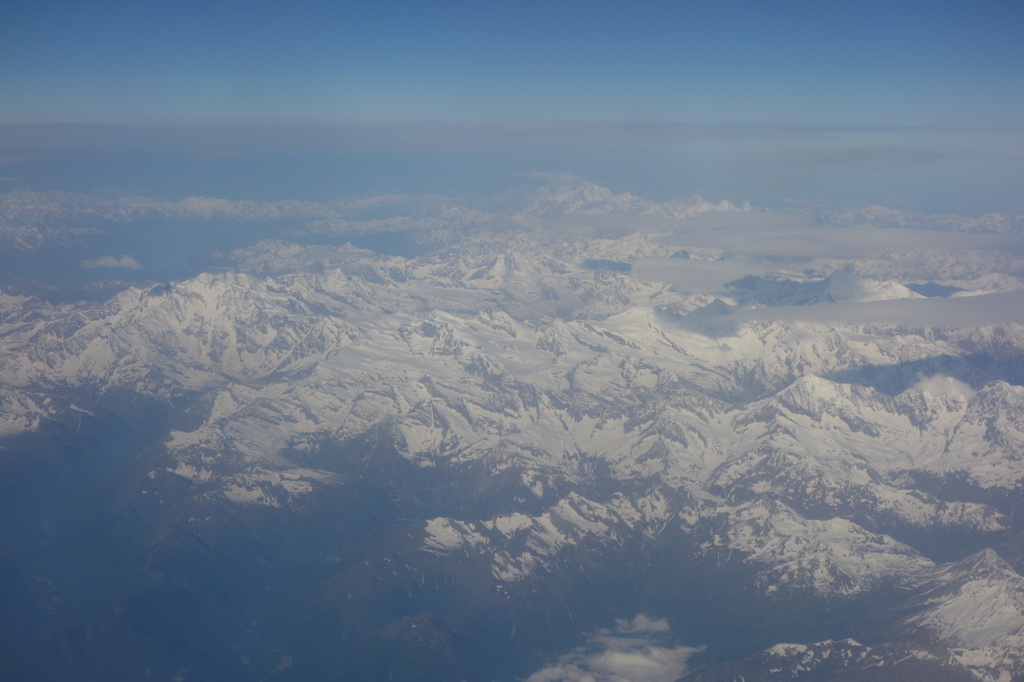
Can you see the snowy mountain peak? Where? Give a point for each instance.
(976, 604)
(846, 286)
(572, 196)
(985, 564)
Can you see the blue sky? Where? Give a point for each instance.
(936, 63)
(906, 72)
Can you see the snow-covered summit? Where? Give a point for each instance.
(842, 286)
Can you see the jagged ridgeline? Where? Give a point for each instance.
(556, 434)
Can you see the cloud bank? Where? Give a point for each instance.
(971, 311)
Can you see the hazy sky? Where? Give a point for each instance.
(859, 88)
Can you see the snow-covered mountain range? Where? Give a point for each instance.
(453, 463)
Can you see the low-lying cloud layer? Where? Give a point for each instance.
(969, 311)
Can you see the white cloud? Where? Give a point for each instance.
(627, 654)
(112, 262)
(943, 385)
(642, 623)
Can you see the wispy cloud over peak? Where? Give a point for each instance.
(112, 262)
